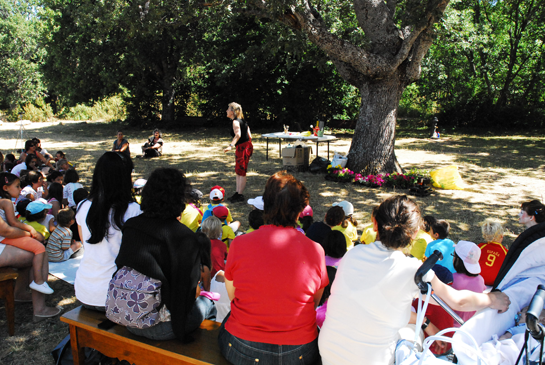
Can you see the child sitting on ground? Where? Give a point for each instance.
(211, 227)
(9, 163)
(60, 246)
(217, 195)
(35, 213)
(439, 231)
(335, 248)
(60, 156)
(306, 218)
(192, 215)
(318, 231)
(422, 239)
(349, 224)
(466, 263)
(71, 184)
(221, 212)
(492, 251)
(255, 220)
(34, 186)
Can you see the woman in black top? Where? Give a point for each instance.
(154, 146)
(242, 140)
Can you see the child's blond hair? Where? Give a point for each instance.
(492, 230)
(211, 227)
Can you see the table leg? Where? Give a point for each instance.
(77, 351)
(280, 147)
(316, 148)
(328, 150)
(267, 154)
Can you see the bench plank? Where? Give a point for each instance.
(119, 343)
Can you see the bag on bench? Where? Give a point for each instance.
(133, 299)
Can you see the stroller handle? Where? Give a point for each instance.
(534, 310)
(422, 270)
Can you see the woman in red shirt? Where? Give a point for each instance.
(275, 277)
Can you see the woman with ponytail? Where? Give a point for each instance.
(275, 277)
(100, 219)
(374, 287)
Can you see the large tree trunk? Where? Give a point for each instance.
(372, 148)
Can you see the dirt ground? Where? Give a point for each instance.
(501, 172)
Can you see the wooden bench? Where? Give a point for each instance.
(119, 343)
(7, 284)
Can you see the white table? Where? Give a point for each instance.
(296, 136)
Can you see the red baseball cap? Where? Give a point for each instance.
(221, 212)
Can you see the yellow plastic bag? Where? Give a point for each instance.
(447, 178)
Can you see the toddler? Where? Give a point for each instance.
(60, 246)
(228, 234)
(255, 220)
(349, 224)
(306, 218)
(419, 244)
(192, 215)
(335, 248)
(466, 264)
(35, 213)
(71, 184)
(217, 195)
(492, 251)
(211, 227)
(439, 231)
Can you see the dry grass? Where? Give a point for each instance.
(501, 172)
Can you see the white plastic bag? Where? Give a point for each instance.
(339, 160)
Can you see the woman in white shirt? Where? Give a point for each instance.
(374, 287)
(100, 219)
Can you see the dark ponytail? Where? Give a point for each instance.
(398, 219)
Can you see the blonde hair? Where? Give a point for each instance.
(237, 109)
(492, 230)
(211, 227)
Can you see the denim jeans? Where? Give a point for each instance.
(241, 352)
(203, 309)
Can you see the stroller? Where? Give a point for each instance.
(523, 270)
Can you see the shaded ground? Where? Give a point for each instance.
(501, 173)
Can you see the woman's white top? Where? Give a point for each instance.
(68, 193)
(370, 302)
(98, 261)
(16, 170)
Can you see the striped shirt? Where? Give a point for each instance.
(59, 241)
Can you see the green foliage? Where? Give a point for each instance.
(21, 54)
(109, 109)
(273, 73)
(38, 112)
(487, 67)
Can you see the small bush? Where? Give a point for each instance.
(38, 113)
(112, 108)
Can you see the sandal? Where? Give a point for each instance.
(40, 317)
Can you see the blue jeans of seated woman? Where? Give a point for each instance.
(242, 352)
(203, 309)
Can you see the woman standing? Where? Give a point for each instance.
(242, 141)
(286, 272)
(100, 219)
(154, 145)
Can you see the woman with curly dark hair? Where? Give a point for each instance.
(159, 249)
(100, 219)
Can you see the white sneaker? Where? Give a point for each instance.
(42, 288)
